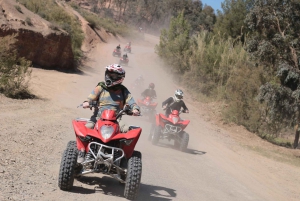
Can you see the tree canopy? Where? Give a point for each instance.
(274, 42)
(230, 21)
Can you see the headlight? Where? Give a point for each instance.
(106, 131)
(175, 119)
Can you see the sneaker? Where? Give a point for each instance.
(80, 157)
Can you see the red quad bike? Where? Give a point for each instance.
(147, 107)
(171, 128)
(107, 151)
(124, 61)
(117, 52)
(127, 49)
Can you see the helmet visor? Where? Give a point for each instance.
(113, 75)
(179, 96)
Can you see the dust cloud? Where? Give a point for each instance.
(215, 167)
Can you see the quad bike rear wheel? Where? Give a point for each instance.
(155, 135)
(134, 174)
(184, 142)
(151, 132)
(68, 166)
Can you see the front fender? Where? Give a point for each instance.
(132, 134)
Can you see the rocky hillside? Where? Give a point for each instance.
(38, 40)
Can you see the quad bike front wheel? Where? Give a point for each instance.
(134, 174)
(184, 142)
(155, 135)
(151, 132)
(67, 167)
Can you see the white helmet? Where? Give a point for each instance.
(114, 74)
(178, 95)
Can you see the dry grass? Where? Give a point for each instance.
(108, 24)
(277, 155)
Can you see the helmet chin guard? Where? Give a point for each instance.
(110, 83)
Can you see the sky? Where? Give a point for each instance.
(215, 4)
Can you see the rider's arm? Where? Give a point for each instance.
(130, 101)
(94, 94)
(184, 106)
(154, 93)
(167, 102)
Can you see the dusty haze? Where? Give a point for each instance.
(223, 162)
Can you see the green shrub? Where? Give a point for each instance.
(14, 72)
(74, 5)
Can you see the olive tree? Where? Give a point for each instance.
(274, 42)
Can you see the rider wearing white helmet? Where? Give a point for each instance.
(110, 94)
(175, 103)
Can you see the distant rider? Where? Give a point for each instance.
(149, 92)
(119, 48)
(175, 103)
(125, 57)
(139, 81)
(110, 94)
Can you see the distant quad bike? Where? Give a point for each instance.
(171, 128)
(107, 151)
(148, 108)
(124, 61)
(127, 49)
(117, 52)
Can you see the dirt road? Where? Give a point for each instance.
(217, 166)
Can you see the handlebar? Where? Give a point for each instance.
(179, 112)
(125, 110)
(93, 104)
